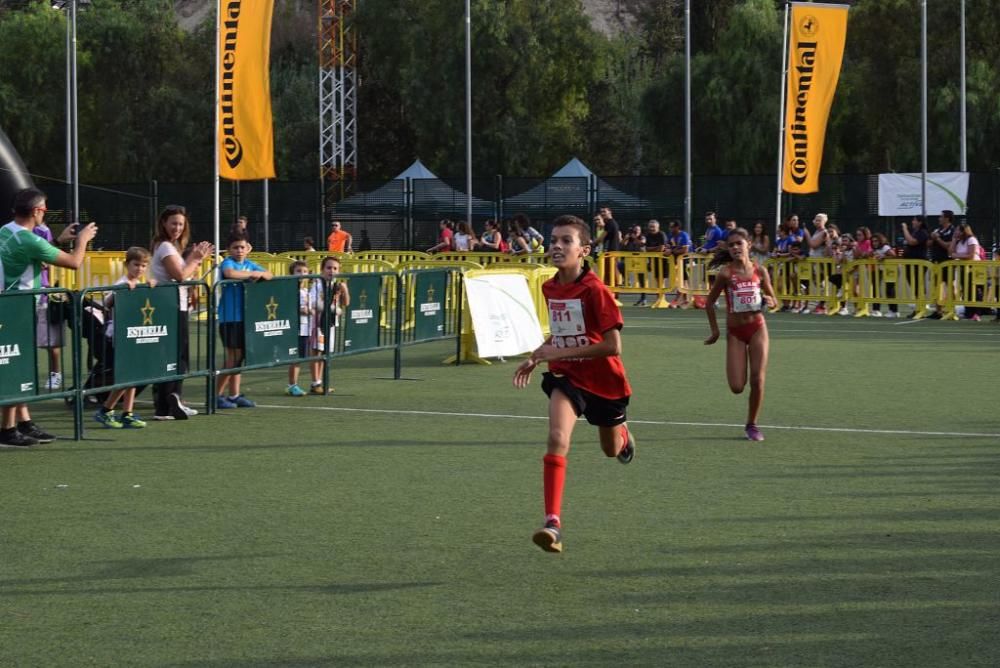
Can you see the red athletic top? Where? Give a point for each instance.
(743, 294)
(579, 313)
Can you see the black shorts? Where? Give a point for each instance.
(599, 411)
(232, 335)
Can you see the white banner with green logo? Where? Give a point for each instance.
(899, 194)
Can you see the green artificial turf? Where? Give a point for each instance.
(390, 523)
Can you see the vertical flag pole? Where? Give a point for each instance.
(215, 131)
(923, 109)
(267, 217)
(687, 116)
(781, 124)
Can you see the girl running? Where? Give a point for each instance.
(747, 341)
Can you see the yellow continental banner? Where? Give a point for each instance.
(245, 132)
(815, 50)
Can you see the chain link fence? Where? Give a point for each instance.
(404, 214)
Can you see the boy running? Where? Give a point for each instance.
(136, 263)
(237, 267)
(586, 376)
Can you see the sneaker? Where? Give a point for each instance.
(163, 418)
(935, 316)
(641, 302)
(975, 318)
(805, 311)
(31, 430)
(318, 389)
(548, 537)
(627, 453)
(891, 315)
(178, 409)
(223, 402)
(820, 310)
(876, 314)
(753, 433)
(132, 421)
(55, 381)
(843, 311)
(242, 402)
(13, 438)
(108, 419)
(295, 391)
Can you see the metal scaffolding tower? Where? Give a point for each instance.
(338, 98)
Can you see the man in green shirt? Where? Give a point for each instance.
(22, 254)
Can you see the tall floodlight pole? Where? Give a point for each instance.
(468, 112)
(781, 124)
(69, 119)
(963, 155)
(923, 109)
(687, 116)
(73, 121)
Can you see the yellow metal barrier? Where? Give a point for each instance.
(626, 272)
(818, 279)
(536, 276)
(395, 257)
(99, 268)
(694, 278)
(489, 258)
(871, 281)
(969, 283)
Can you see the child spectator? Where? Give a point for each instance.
(136, 264)
(235, 267)
(881, 250)
(586, 375)
(309, 245)
(339, 299)
(307, 316)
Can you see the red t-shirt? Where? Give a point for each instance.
(579, 313)
(447, 237)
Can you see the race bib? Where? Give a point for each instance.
(566, 317)
(747, 300)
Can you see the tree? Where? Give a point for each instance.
(533, 63)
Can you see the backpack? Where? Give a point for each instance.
(504, 246)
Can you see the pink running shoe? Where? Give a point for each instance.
(753, 433)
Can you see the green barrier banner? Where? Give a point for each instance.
(146, 343)
(271, 321)
(363, 315)
(429, 293)
(17, 346)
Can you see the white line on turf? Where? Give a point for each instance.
(849, 430)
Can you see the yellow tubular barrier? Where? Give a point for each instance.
(394, 257)
(969, 283)
(694, 277)
(818, 279)
(489, 258)
(626, 272)
(536, 276)
(871, 281)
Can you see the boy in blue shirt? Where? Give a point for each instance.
(237, 267)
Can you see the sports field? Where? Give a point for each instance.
(390, 523)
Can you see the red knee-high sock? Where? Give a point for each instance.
(554, 476)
